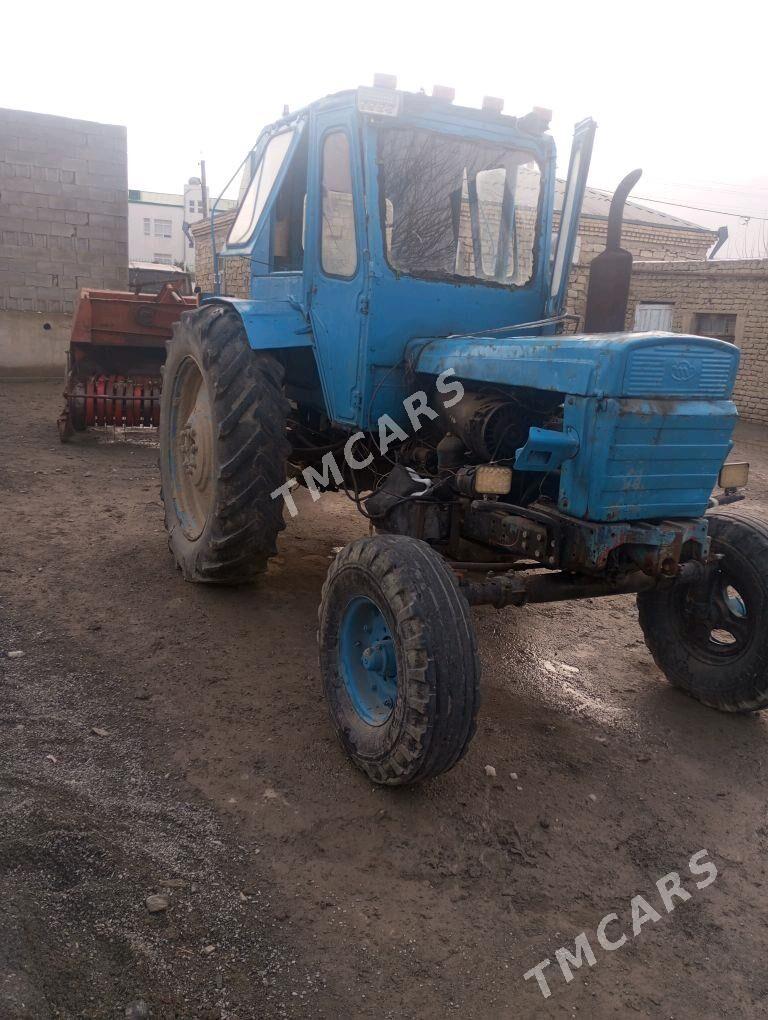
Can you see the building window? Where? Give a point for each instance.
(191, 205)
(653, 316)
(163, 228)
(162, 260)
(199, 206)
(146, 226)
(722, 327)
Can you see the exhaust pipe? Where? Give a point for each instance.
(611, 270)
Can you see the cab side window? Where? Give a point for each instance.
(259, 189)
(338, 245)
(287, 248)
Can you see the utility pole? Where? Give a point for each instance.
(205, 189)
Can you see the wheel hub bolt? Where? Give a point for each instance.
(373, 658)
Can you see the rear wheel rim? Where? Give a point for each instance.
(191, 449)
(728, 630)
(368, 661)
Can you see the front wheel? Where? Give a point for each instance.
(713, 643)
(398, 659)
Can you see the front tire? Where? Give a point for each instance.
(223, 448)
(398, 659)
(720, 658)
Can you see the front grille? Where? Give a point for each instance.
(645, 459)
(680, 369)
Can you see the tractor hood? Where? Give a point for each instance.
(597, 365)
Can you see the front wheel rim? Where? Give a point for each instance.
(368, 661)
(191, 449)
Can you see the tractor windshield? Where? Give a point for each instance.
(458, 207)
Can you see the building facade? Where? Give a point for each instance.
(673, 288)
(158, 225)
(63, 226)
(647, 234)
(236, 272)
(725, 298)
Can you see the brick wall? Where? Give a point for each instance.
(727, 287)
(235, 271)
(692, 285)
(63, 225)
(644, 241)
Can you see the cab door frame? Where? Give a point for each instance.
(570, 213)
(337, 306)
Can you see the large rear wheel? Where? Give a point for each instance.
(712, 640)
(222, 448)
(398, 659)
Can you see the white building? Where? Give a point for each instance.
(157, 221)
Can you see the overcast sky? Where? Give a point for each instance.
(677, 88)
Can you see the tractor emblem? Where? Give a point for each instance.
(684, 371)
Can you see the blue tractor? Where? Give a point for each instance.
(406, 341)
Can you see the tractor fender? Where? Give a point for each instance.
(271, 324)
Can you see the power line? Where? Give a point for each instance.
(713, 185)
(698, 208)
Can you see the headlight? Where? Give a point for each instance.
(733, 476)
(492, 480)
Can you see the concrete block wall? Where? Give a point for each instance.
(63, 226)
(729, 287)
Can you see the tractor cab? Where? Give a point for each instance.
(375, 216)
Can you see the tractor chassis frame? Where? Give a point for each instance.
(512, 589)
(538, 554)
(543, 533)
(564, 557)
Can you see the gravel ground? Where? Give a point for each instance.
(158, 738)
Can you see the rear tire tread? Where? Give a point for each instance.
(249, 412)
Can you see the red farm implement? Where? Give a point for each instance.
(116, 353)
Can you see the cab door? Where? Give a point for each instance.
(578, 170)
(336, 270)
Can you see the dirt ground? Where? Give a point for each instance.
(162, 738)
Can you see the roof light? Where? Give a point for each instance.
(378, 102)
(444, 92)
(385, 81)
(537, 121)
(492, 104)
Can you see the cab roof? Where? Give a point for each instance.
(534, 123)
